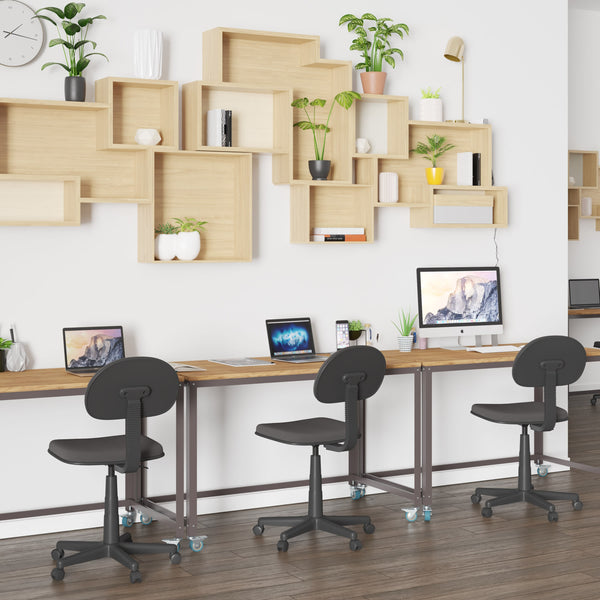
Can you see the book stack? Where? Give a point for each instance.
(218, 127)
(468, 168)
(338, 234)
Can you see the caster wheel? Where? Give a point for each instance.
(135, 577)
(486, 512)
(355, 545)
(57, 574)
(358, 492)
(552, 517)
(593, 400)
(283, 545)
(475, 498)
(411, 515)
(427, 515)
(542, 471)
(369, 528)
(258, 529)
(196, 545)
(145, 519)
(57, 554)
(127, 521)
(577, 505)
(126, 537)
(175, 558)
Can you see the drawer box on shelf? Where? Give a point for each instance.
(330, 204)
(138, 104)
(463, 206)
(39, 200)
(210, 186)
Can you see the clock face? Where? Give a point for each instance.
(21, 35)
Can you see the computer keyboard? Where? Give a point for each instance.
(489, 349)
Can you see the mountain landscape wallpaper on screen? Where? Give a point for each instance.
(474, 299)
(98, 350)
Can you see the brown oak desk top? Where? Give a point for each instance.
(584, 312)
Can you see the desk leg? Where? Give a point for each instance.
(427, 461)
(418, 440)
(192, 460)
(180, 464)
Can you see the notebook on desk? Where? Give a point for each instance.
(584, 293)
(88, 349)
(291, 340)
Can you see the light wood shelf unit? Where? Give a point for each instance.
(135, 104)
(583, 166)
(39, 200)
(208, 186)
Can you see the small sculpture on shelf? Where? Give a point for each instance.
(435, 147)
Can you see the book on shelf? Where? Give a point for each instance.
(338, 230)
(476, 168)
(338, 237)
(218, 127)
(468, 168)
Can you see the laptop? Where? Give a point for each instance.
(291, 340)
(584, 293)
(88, 349)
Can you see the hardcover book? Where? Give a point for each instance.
(218, 127)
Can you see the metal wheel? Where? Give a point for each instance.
(475, 498)
(57, 574)
(369, 528)
(126, 521)
(196, 545)
(486, 512)
(57, 554)
(355, 545)
(258, 529)
(175, 558)
(577, 505)
(145, 519)
(283, 545)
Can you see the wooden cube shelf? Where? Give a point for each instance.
(583, 167)
(209, 186)
(135, 104)
(39, 200)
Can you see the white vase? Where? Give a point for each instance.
(147, 55)
(388, 187)
(431, 109)
(188, 245)
(405, 343)
(164, 246)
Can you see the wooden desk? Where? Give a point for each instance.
(583, 313)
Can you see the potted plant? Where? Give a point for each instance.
(4, 345)
(355, 330)
(72, 36)
(374, 51)
(319, 168)
(165, 241)
(431, 105)
(187, 246)
(404, 326)
(432, 150)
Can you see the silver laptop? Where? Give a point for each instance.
(584, 293)
(291, 340)
(88, 349)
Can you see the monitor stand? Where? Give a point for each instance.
(494, 337)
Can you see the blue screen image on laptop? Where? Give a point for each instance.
(290, 337)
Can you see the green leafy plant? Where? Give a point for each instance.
(344, 99)
(405, 322)
(433, 149)
(72, 36)
(189, 224)
(355, 326)
(5, 344)
(374, 51)
(429, 93)
(166, 228)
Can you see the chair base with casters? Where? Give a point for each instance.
(524, 492)
(115, 546)
(315, 520)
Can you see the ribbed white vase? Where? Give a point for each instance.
(147, 56)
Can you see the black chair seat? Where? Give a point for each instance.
(519, 413)
(307, 432)
(101, 451)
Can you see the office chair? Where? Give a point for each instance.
(546, 362)
(129, 389)
(348, 375)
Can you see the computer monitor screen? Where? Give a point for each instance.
(458, 301)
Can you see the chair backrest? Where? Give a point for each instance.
(130, 389)
(349, 375)
(548, 362)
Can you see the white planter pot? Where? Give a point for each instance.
(188, 245)
(164, 246)
(405, 343)
(431, 109)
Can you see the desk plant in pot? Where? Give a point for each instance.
(435, 147)
(376, 50)
(319, 168)
(187, 246)
(4, 346)
(404, 326)
(165, 241)
(72, 30)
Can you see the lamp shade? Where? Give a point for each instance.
(454, 49)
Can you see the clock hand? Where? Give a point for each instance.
(18, 35)
(13, 31)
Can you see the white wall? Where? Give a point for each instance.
(90, 274)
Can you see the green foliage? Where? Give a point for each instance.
(166, 228)
(405, 322)
(75, 36)
(190, 224)
(429, 93)
(5, 344)
(434, 148)
(344, 99)
(355, 326)
(374, 51)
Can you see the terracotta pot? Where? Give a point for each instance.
(373, 82)
(435, 175)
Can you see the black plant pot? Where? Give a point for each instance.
(319, 169)
(75, 89)
(2, 361)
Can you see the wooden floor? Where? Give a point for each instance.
(458, 555)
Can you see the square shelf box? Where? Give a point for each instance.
(39, 200)
(583, 167)
(209, 186)
(136, 104)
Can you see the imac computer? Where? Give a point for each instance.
(459, 302)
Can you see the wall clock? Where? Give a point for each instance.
(21, 35)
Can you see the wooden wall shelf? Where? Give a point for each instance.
(583, 167)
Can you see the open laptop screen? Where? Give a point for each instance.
(584, 292)
(92, 347)
(290, 337)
